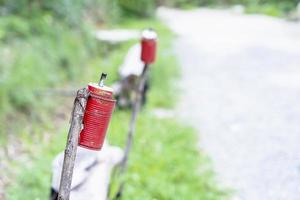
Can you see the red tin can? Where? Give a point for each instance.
(148, 43)
(98, 111)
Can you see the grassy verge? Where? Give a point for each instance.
(164, 163)
(282, 9)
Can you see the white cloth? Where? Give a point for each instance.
(91, 173)
(132, 64)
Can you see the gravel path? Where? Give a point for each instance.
(242, 80)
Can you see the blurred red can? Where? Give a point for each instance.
(98, 111)
(148, 43)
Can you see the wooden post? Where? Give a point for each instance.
(132, 125)
(135, 111)
(72, 143)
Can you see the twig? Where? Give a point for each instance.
(72, 142)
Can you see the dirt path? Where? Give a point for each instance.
(242, 80)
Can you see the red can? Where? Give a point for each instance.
(148, 43)
(98, 111)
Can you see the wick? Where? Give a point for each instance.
(102, 79)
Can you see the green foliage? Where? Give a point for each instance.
(265, 9)
(269, 7)
(39, 62)
(273, 9)
(12, 27)
(66, 9)
(107, 11)
(138, 7)
(34, 175)
(180, 3)
(73, 12)
(170, 166)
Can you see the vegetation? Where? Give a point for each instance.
(269, 7)
(152, 171)
(46, 45)
(45, 49)
(31, 30)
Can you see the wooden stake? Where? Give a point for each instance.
(132, 125)
(72, 143)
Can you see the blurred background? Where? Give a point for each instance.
(49, 49)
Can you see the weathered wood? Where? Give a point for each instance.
(72, 143)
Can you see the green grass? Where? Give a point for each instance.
(266, 9)
(164, 162)
(272, 7)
